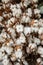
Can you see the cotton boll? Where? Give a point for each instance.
(1, 38)
(19, 12)
(18, 5)
(40, 31)
(12, 31)
(25, 62)
(12, 20)
(5, 1)
(18, 42)
(6, 62)
(9, 49)
(19, 28)
(17, 64)
(28, 50)
(32, 46)
(36, 11)
(34, 29)
(10, 43)
(1, 55)
(35, 1)
(18, 53)
(22, 38)
(41, 9)
(25, 19)
(40, 51)
(42, 42)
(1, 18)
(26, 3)
(27, 30)
(29, 12)
(39, 60)
(37, 41)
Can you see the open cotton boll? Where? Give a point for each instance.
(17, 12)
(25, 19)
(25, 62)
(1, 38)
(13, 19)
(34, 29)
(37, 41)
(10, 43)
(5, 1)
(35, 1)
(26, 3)
(40, 51)
(18, 53)
(40, 31)
(9, 49)
(27, 30)
(21, 39)
(32, 46)
(6, 62)
(29, 12)
(12, 31)
(39, 60)
(36, 11)
(1, 18)
(1, 55)
(19, 28)
(17, 64)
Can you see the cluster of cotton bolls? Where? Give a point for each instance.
(21, 33)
